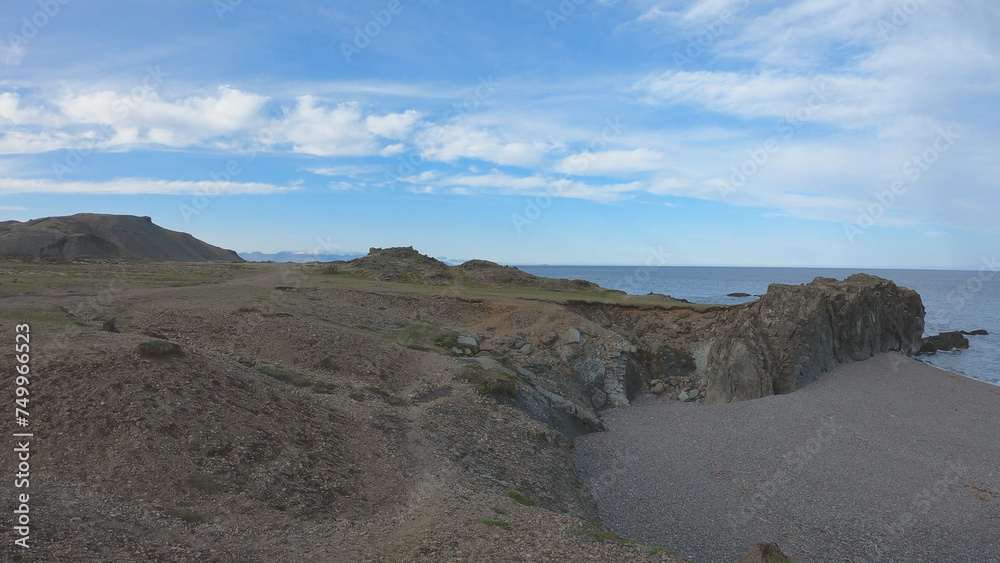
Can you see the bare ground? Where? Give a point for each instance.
(309, 417)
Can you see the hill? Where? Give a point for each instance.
(404, 264)
(92, 235)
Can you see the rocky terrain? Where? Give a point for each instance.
(89, 235)
(390, 408)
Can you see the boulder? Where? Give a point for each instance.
(792, 334)
(943, 342)
(527, 349)
(979, 332)
(598, 398)
(765, 553)
(467, 341)
(658, 388)
(549, 339)
(485, 346)
(573, 335)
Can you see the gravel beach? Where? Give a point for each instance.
(888, 459)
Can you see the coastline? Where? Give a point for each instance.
(885, 457)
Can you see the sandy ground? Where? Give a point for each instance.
(889, 459)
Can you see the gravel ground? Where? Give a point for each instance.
(889, 459)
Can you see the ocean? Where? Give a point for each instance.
(953, 300)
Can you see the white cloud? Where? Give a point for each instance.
(106, 120)
(181, 123)
(393, 150)
(13, 112)
(610, 163)
(322, 131)
(343, 130)
(448, 143)
(537, 185)
(393, 125)
(128, 186)
(350, 170)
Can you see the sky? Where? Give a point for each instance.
(605, 132)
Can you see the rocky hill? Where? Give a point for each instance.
(92, 235)
(404, 264)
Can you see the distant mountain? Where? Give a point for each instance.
(297, 257)
(92, 235)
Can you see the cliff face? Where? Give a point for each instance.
(794, 333)
(91, 235)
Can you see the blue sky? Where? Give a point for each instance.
(706, 132)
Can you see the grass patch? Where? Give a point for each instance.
(156, 348)
(189, 516)
(202, 482)
(497, 523)
(594, 532)
(498, 510)
(447, 340)
(366, 392)
(493, 382)
(295, 378)
(521, 498)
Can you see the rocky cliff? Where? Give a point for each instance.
(794, 333)
(92, 235)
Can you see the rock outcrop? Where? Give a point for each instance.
(792, 334)
(945, 341)
(91, 235)
(765, 553)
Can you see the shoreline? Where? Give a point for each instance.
(829, 471)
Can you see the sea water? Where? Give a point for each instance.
(953, 300)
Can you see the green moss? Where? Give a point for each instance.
(189, 516)
(202, 482)
(521, 498)
(594, 532)
(155, 348)
(297, 379)
(497, 523)
(447, 340)
(498, 510)
(493, 382)
(285, 375)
